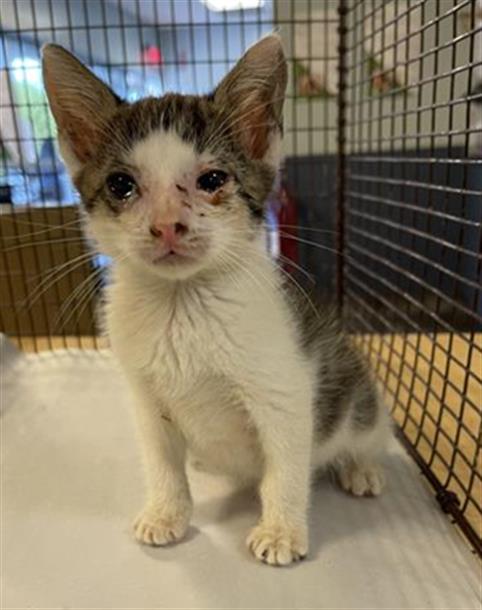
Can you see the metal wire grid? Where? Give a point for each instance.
(45, 265)
(412, 234)
(39, 244)
(406, 193)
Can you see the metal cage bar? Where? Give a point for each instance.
(412, 232)
(383, 133)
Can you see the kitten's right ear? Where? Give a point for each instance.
(80, 102)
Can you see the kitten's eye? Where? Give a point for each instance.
(121, 185)
(211, 181)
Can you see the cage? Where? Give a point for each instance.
(378, 203)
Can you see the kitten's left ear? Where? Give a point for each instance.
(80, 102)
(252, 95)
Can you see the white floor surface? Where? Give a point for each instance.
(71, 483)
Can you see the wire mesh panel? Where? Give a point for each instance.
(145, 47)
(412, 193)
(383, 146)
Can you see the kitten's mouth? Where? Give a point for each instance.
(172, 257)
(178, 255)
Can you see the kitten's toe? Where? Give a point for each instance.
(362, 480)
(278, 545)
(159, 527)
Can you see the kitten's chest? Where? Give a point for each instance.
(178, 342)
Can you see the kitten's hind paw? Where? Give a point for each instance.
(159, 527)
(277, 545)
(361, 480)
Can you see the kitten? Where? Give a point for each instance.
(222, 360)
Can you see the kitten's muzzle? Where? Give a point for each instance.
(169, 233)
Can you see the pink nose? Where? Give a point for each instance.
(170, 233)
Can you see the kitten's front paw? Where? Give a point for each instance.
(278, 545)
(161, 526)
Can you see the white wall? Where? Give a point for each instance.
(374, 119)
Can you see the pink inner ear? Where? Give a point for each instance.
(255, 136)
(81, 140)
(80, 103)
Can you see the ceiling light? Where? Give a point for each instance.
(232, 5)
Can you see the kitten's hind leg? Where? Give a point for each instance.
(360, 477)
(359, 471)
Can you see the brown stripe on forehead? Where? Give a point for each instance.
(199, 118)
(135, 122)
(189, 116)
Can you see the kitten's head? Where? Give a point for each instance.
(175, 184)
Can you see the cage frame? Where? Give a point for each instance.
(351, 189)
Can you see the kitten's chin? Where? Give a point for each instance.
(173, 266)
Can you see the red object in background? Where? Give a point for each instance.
(152, 56)
(288, 220)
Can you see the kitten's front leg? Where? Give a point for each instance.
(168, 508)
(281, 535)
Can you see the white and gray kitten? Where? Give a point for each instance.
(224, 362)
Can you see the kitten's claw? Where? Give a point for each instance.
(362, 480)
(159, 527)
(278, 545)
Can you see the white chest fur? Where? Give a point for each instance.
(201, 348)
(182, 333)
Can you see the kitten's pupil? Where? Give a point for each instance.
(121, 185)
(211, 181)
